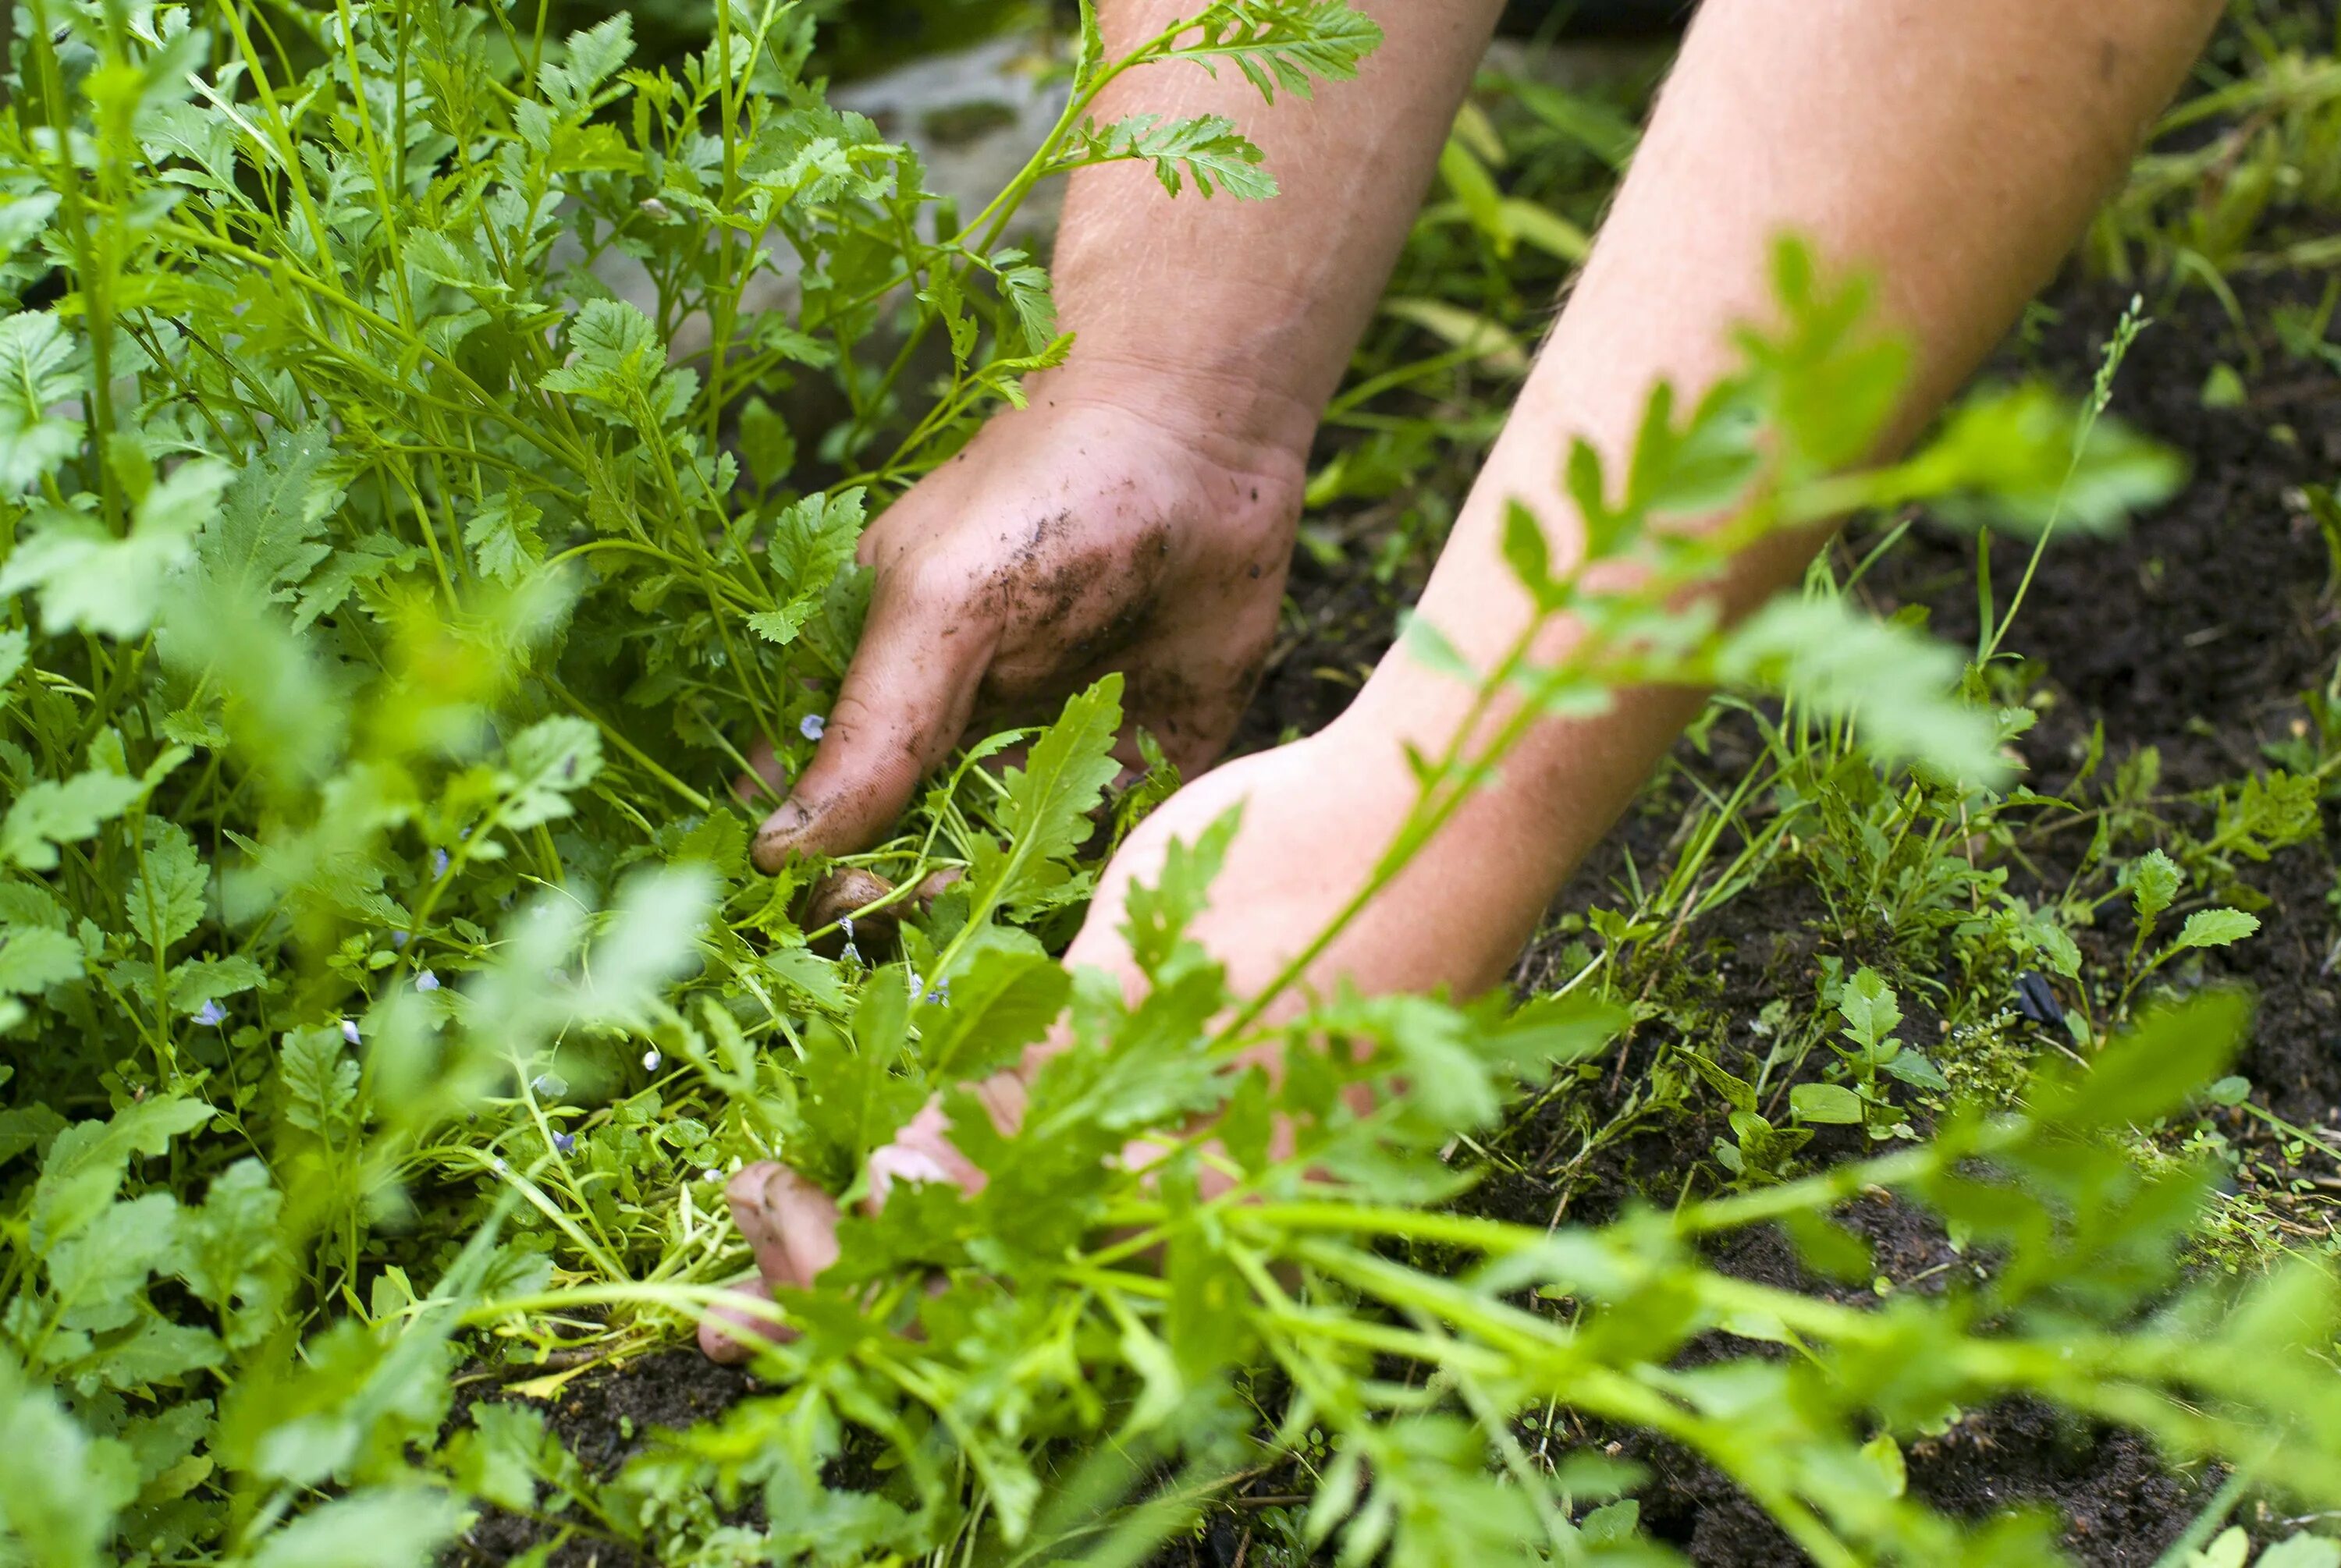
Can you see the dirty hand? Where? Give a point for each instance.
(1316, 815)
(1096, 530)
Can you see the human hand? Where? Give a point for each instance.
(1316, 816)
(1106, 526)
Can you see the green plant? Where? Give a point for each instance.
(388, 994)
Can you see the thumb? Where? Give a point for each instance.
(905, 703)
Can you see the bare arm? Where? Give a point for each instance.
(1957, 147)
(1139, 515)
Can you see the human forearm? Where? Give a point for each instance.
(1245, 311)
(1957, 150)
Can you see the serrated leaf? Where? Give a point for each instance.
(1206, 150)
(1868, 1007)
(94, 1274)
(999, 1002)
(166, 901)
(263, 540)
(1157, 917)
(2154, 882)
(503, 537)
(1050, 799)
(87, 579)
(319, 1079)
(1283, 45)
(38, 370)
(2215, 928)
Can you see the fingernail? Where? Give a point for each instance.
(779, 836)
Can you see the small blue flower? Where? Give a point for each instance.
(438, 862)
(812, 726)
(651, 1060)
(398, 938)
(547, 1086)
(941, 996)
(350, 1030)
(566, 1143)
(211, 1015)
(426, 981)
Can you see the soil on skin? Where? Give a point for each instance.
(2195, 633)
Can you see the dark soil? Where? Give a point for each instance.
(2196, 634)
(604, 1419)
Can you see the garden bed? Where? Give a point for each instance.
(2116, 630)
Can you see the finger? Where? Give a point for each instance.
(750, 1193)
(902, 707)
(728, 1334)
(922, 1152)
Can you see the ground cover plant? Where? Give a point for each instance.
(387, 993)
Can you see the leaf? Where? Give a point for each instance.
(231, 1240)
(263, 540)
(1829, 1103)
(812, 542)
(2215, 928)
(2014, 458)
(998, 1003)
(319, 1081)
(1157, 917)
(199, 981)
(1064, 779)
(51, 812)
(767, 444)
(503, 537)
(1917, 1069)
(544, 765)
(385, 1527)
(2149, 1071)
(1527, 554)
(32, 958)
(2153, 881)
(39, 369)
(1592, 124)
(1464, 331)
(1281, 45)
(166, 901)
(1027, 288)
(89, 579)
(2301, 1552)
(87, 1161)
(65, 1486)
(1896, 685)
(1868, 1007)
(97, 1273)
(1429, 647)
(1206, 149)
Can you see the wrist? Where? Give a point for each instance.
(1230, 414)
